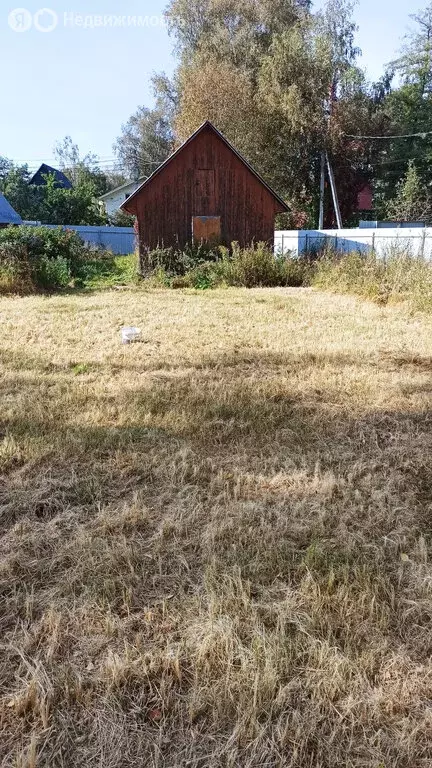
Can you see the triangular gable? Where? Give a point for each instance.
(206, 124)
(7, 214)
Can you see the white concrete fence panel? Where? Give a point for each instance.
(415, 241)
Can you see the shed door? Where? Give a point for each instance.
(206, 229)
(204, 193)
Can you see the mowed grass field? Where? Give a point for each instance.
(215, 544)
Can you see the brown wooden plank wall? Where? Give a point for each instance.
(205, 179)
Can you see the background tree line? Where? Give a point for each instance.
(284, 84)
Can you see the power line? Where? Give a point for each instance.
(107, 159)
(421, 135)
(379, 163)
(50, 161)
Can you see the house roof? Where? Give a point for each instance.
(61, 180)
(206, 124)
(122, 187)
(7, 213)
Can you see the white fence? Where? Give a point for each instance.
(415, 241)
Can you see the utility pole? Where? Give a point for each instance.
(322, 191)
(334, 192)
(325, 158)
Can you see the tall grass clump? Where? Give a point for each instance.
(253, 267)
(257, 266)
(395, 276)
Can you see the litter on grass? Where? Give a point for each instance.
(130, 334)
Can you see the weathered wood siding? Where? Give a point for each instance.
(205, 179)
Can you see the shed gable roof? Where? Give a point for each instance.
(7, 214)
(206, 125)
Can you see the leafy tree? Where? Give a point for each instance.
(166, 91)
(49, 204)
(266, 73)
(336, 24)
(208, 92)
(5, 167)
(121, 219)
(145, 142)
(415, 62)
(293, 85)
(234, 30)
(68, 156)
(72, 206)
(408, 110)
(82, 170)
(26, 199)
(52, 205)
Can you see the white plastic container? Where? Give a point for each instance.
(129, 334)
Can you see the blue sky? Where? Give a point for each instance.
(86, 81)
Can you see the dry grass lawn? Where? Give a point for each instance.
(215, 544)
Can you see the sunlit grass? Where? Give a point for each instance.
(215, 543)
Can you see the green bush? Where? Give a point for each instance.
(52, 273)
(209, 274)
(42, 241)
(33, 258)
(295, 272)
(38, 258)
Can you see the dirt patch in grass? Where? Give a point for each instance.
(215, 544)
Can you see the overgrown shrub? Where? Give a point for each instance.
(209, 274)
(52, 273)
(15, 271)
(177, 261)
(43, 241)
(202, 268)
(33, 258)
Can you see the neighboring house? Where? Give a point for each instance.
(205, 191)
(7, 214)
(116, 197)
(365, 198)
(39, 179)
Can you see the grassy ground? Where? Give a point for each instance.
(215, 544)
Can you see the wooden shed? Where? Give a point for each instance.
(205, 191)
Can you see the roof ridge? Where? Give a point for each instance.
(205, 124)
(8, 214)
